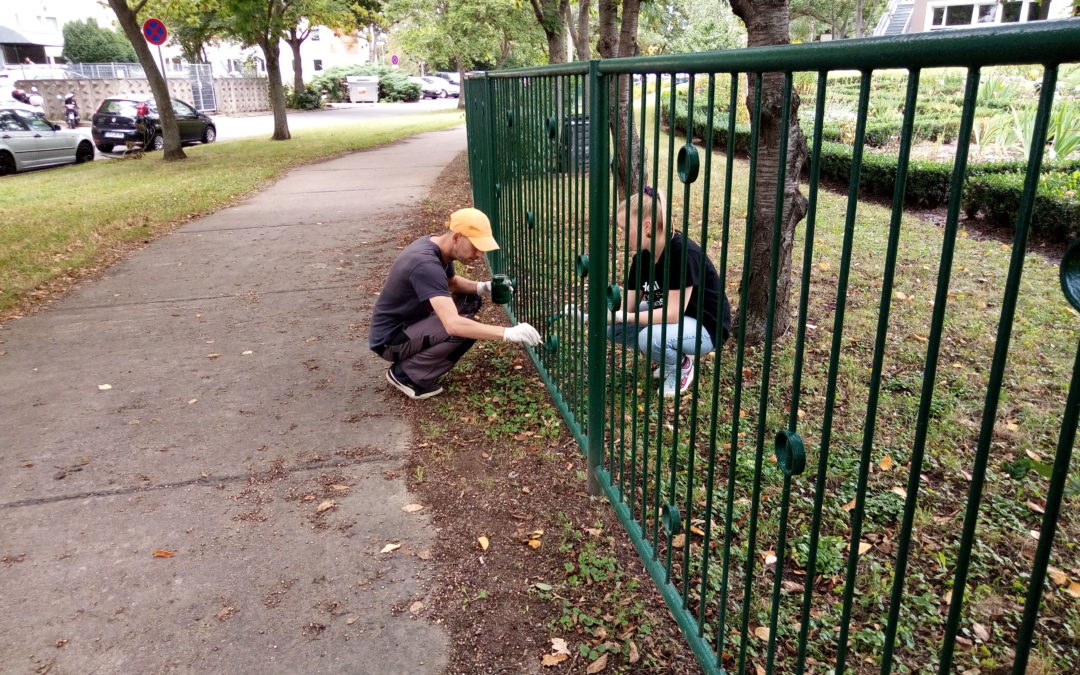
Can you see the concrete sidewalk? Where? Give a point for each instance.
(241, 400)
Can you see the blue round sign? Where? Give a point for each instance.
(154, 31)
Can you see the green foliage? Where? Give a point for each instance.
(1057, 201)
(307, 98)
(86, 42)
(393, 84)
(830, 553)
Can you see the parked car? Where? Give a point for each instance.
(443, 88)
(452, 78)
(427, 89)
(134, 119)
(29, 142)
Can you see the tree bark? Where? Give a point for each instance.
(767, 23)
(271, 51)
(629, 155)
(550, 13)
(580, 29)
(859, 28)
(170, 131)
(295, 39)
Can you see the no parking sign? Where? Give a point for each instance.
(154, 31)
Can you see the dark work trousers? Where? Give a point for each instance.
(425, 350)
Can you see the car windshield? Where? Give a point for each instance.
(119, 107)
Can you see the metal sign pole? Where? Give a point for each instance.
(163, 73)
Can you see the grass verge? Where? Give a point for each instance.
(61, 225)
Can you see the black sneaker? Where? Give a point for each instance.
(397, 377)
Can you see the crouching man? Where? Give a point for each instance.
(423, 320)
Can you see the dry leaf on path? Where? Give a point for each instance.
(225, 613)
(553, 659)
(678, 541)
(762, 633)
(1073, 589)
(416, 607)
(1057, 576)
(326, 505)
(390, 547)
(104, 387)
(352, 619)
(864, 547)
(560, 646)
(483, 543)
(597, 665)
(339, 487)
(634, 655)
(886, 463)
(162, 553)
(980, 632)
(849, 506)
(534, 543)
(212, 356)
(901, 492)
(412, 508)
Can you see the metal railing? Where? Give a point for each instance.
(917, 369)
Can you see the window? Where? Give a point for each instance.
(318, 64)
(959, 15)
(1010, 12)
(182, 109)
(33, 121)
(9, 122)
(987, 13)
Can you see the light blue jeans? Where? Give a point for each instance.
(663, 345)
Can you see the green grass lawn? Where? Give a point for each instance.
(1026, 425)
(56, 224)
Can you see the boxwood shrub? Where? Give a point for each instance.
(1056, 211)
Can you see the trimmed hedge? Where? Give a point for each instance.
(393, 85)
(1056, 211)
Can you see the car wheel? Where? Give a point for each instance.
(7, 163)
(157, 142)
(209, 135)
(84, 153)
(105, 147)
(442, 93)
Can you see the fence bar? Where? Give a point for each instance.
(598, 245)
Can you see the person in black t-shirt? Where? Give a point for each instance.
(423, 320)
(669, 276)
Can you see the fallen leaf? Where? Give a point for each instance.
(1012, 426)
(104, 387)
(1034, 455)
(762, 633)
(212, 356)
(534, 543)
(900, 295)
(886, 463)
(560, 646)
(678, 541)
(1057, 576)
(634, 655)
(162, 553)
(900, 491)
(247, 352)
(759, 669)
(980, 632)
(849, 506)
(61, 642)
(543, 587)
(553, 659)
(864, 547)
(1073, 589)
(339, 487)
(352, 619)
(412, 508)
(1037, 506)
(193, 401)
(416, 607)
(225, 613)
(326, 506)
(769, 557)
(425, 554)
(390, 547)
(597, 665)
(483, 543)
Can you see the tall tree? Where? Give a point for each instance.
(580, 29)
(87, 42)
(844, 18)
(618, 38)
(264, 23)
(304, 16)
(369, 17)
(551, 14)
(128, 16)
(767, 23)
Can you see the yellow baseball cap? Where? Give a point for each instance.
(475, 226)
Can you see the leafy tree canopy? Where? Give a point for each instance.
(86, 42)
(688, 26)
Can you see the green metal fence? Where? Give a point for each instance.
(931, 387)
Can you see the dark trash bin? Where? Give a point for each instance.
(574, 155)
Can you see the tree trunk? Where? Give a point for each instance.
(629, 155)
(767, 23)
(859, 28)
(549, 14)
(296, 39)
(270, 49)
(579, 30)
(170, 131)
(461, 82)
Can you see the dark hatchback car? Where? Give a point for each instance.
(134, 119)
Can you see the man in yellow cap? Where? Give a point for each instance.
(423, 320)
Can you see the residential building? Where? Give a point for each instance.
(918, 16)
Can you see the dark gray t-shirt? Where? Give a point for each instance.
(417, 275)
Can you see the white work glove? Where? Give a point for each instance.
(618, 316)
(522, 333)
(483, 288)
(574, 313)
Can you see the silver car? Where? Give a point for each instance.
(30, 142)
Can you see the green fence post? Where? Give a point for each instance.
(598, 246)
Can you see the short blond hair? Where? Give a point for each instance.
(648, 204)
